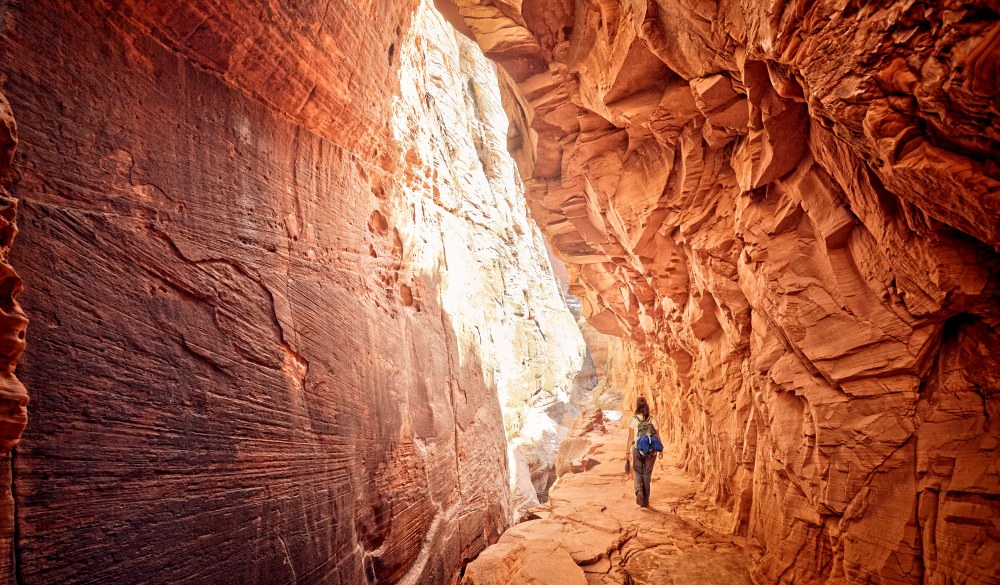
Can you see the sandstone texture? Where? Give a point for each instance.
(470, 232)
(592, 532)
(549, 417)
(13, 323)
(790, 213)
(279, 271)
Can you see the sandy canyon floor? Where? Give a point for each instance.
(592, 532)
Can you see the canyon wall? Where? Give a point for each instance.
(788, 210)
(464, 224)
(13, 323)
(278, 271)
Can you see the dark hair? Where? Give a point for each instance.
(642, 407)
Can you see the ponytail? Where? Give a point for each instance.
(642, 407)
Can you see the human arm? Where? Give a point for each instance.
(632, 428)
(628, 454)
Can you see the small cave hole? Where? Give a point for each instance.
(955, 324)
(392, 52)
(378, 224)
(406, 294)
(758, 194)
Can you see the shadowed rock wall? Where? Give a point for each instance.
(250, 356)
(13, 323)
(789, 210)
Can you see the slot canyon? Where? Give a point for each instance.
(354, 292)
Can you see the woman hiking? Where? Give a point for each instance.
(641, 423)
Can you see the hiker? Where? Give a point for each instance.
(642, 424)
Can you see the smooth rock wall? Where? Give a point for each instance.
(250, 356)
(788, 211)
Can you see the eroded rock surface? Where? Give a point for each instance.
(497, 286)
(276, 286)
(13, 325)
(789, 212)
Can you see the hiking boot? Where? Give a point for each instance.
(638, 498)
(645, 503)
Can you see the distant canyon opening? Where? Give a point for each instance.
(311, 292)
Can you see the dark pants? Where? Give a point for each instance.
(643, 470)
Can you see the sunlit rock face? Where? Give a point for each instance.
(278, 269)
(789, 212)
(467, 226)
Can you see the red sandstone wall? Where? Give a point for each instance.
(13, 396)
(225, 389)
(790, 212)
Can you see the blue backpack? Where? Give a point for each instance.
(647, 441)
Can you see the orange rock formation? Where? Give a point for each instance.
(791, 212)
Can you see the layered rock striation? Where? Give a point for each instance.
(789, 212)
(278, 270)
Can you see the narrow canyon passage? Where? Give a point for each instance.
(592, 532)
(316, 292)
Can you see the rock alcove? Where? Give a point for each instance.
(286, 300)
